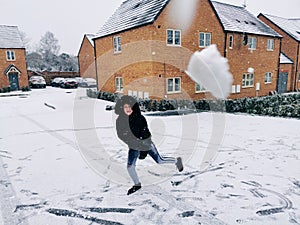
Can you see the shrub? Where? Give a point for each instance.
(275, 105)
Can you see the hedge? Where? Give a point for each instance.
(282, 105)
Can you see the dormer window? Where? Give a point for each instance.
(10, 55)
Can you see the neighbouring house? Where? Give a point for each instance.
(13, 71)
(86, 57)
(145, 46)
(289, 29)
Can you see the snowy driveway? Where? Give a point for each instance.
(51, 171)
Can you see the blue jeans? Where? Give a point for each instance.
(133, 155)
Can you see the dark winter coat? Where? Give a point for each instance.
(133, 129)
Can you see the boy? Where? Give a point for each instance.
(132, 128)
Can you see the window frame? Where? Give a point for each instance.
(250, 80)
(270, 44)
(174, 32)
(117, 44)
(206, 42)
(268, 78)
(119, 84)
(199, 88)
(173, 85)
(10, 55)
(252, 43)
(231, 41)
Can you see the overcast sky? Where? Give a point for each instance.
(69, 20)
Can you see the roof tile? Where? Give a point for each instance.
(10, 37)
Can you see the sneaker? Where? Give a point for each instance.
(134, 188)
(179, 164)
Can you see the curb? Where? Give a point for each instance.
(12, 94)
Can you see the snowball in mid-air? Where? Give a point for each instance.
(211, 70)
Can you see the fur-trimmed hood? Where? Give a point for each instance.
(125, 99)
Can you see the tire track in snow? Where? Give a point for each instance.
(202, 218)
(8, 201)
(51, 132)
(163, 195)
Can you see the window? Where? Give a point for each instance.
(174, 37)
(270, 45)
(10, 55)
(231, 41)
(252, 43)
(298, 76)
(235, 89)
(119, 84)
(117, 44)
(174, 85)
(248, 80)
(268, 77)
(200, 88)
(204, 39)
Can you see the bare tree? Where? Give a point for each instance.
(48, 46)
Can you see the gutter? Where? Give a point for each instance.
(296, 72)
(225, 44)
(96, 66)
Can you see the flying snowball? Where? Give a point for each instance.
(211, 70)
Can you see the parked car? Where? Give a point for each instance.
(37, 82)
(56, 81)
(69, 83)
(88, 82)
(78, 79)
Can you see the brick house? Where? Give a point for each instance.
(86, 57)
(289, 29)
(143, 49)
(13, 71)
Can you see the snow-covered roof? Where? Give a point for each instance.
(284, 59)
(238, 19)
(290, 26)
(132, 14)
(90, 38)
(10, 37)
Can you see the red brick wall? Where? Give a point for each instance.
(290, 47)
(20, 63)
(86, 59)
(145, 54)
(240, 58)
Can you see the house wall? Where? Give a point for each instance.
(240, 58)
(145, 53)
(20, 63)
(290, 47)
(147, 44)
(86, 60)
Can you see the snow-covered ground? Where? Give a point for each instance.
(65, 165)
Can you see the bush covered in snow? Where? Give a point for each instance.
(283, 105)
(5, 90)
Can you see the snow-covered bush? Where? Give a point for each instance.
(283, 105)
(5, 90)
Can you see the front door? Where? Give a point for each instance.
(13, 81)
(282, 82)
